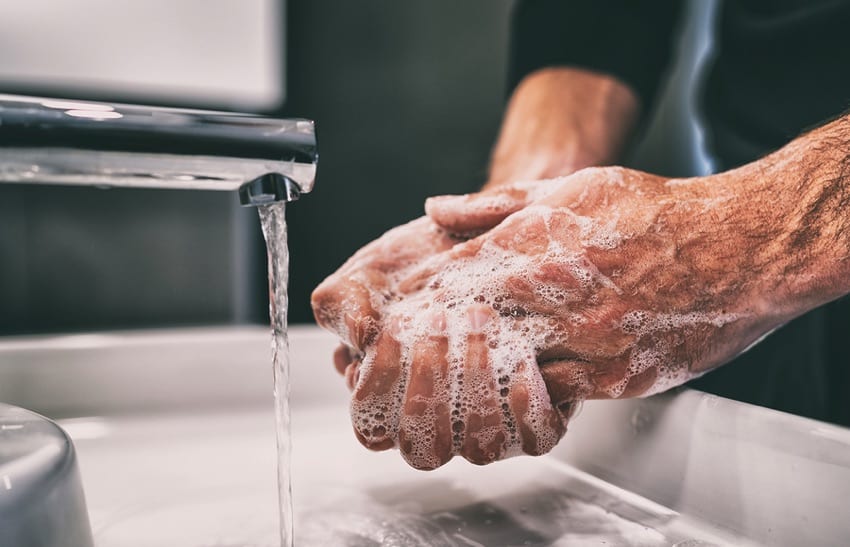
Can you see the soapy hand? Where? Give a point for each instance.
(608, 283)
(559, 120)
(624, 283)
(350, 302)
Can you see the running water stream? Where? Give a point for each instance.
(273, 221)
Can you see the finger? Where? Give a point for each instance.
(417, 278)
(399, 247)
(539, 425)
(423, 275)
(342, 358)
(476, 213)
(375, 403)
(480, 433)
(343, 305)
(582, 336)
(570, 381)
(394, 254)
(640, 383)
(425, 434)
(567, 382)
(610, 378)
(350, 301)
(586, 190)
(352, 374)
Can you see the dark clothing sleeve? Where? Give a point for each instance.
(781, 67)
(628, 39)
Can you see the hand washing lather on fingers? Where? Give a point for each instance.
(476, 330)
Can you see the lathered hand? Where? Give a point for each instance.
(608, 283)
(620, 283)
(350, 302)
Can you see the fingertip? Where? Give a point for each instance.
(481, 434)
(352, 375)
(640, 383)
(520, 405)
(448, 212)
(323, 306)
(479, 451)
(477, 457)
(343, 305)
(474, 213)
(342, 358)
(414, 460)
(383, 371)
(538, 422)
(378, 445)
(568, 409)
(435, 205)
(425, 429)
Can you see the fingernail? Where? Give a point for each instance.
(478, 317)
(395, 326)
(360, 330)
(438, 322)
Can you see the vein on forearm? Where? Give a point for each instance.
(816, 169)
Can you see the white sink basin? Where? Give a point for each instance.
(175, 437)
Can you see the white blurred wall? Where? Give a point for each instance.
(214, 53)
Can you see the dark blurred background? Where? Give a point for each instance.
(407, 97)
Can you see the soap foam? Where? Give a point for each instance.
(490, 396)
(486, 396)
(643, 324)
(503, 408)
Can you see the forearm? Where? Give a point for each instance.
(560, 120)
(820, 224)
(801, 194)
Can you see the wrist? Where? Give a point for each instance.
(560, 120)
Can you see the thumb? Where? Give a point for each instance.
(472, 214)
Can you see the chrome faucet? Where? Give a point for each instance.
(53, 141)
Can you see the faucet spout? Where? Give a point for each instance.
(50, 141)
(269, 188)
